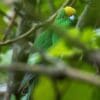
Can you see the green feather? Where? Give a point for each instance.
(61, 20)
(45, 39)
(48, 37)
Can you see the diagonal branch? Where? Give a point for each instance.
(90, 15)
(35, 26)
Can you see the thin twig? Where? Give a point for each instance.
(16, 39)
(73, 2)
(51, 5)
(34, 27)
(10, 26)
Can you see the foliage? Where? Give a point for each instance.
(63, 49)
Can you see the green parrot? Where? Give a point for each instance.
(65, 18)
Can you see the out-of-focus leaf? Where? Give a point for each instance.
(3, 7)
(6, 58)
(44, 90)
(96, 94)
(74, 33)
(88, 37)
(78, 91)
(59, 50)
(2, 27)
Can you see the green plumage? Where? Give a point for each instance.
(43, 41)
(47, 38)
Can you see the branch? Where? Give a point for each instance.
(58, 71)
(35, 26)
(90, 15)
(91, 56)
(10, 26)
(18, 38)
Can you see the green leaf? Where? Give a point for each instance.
(79, 91)
(87, 36)
(59, 50)
(6, 58)
(44, 90)
(74, 33)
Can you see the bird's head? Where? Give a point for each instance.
(69, 11)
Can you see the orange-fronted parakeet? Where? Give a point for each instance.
(47, 38)
(65, 18)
